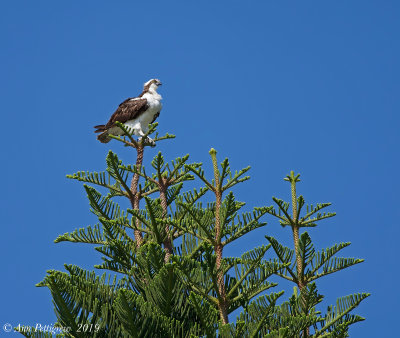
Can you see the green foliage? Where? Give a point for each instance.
(337, 318)
(146, 293)
(92, 235)
(305, 265)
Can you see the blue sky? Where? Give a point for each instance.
(311, 87)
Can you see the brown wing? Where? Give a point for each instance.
(128, 110)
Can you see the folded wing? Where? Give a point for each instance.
(128, 110)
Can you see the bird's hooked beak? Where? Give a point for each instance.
(158, 83)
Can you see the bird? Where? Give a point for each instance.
(135, 113)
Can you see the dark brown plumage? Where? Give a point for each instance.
(127, 110)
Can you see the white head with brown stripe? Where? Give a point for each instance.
(151, 86)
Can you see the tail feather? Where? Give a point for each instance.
(100, 128)
(103, 137)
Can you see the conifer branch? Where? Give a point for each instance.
(196, 288)
(311, 221)
(141, 216)
(285, 256)
(148, 192)
(306, 252)
(98, 179)
(343, 306)
(284, 208)
(282, 220)
(153, 224)
(243, 227)
(102, 206)
(142, 173)
(180, 229)
(199, 222)
(162, 138)
(127, 133)
(253, 291)
(123, 140)
(254, 263)
(295, 228)
(311, 210)
(114, 230)
(207, 313)
(167, 237)
(135, 199)
(113, 164)
(325, 255)
(89, 235)
(337, 264)
(200, 174)
(218, 247)
(180, 162)
(236, 179)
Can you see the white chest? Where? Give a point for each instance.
(140, 124)
(154, 101)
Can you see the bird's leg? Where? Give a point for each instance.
(151, 141)
(141, 134)
(148, 140)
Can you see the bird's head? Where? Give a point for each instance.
(152, 85)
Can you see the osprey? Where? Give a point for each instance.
(135, 113)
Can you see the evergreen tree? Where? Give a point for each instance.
(166, 273)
